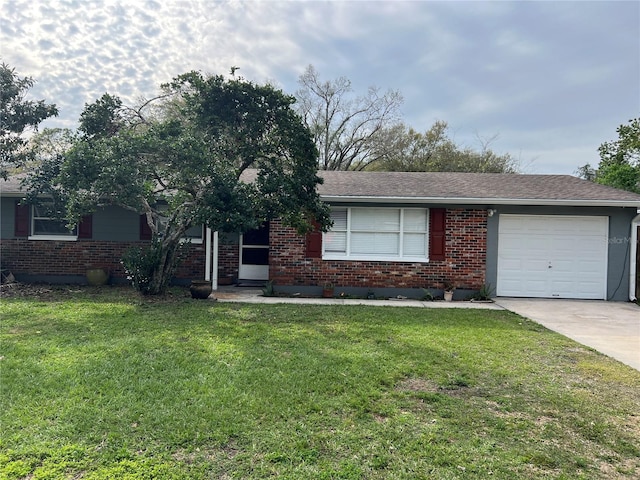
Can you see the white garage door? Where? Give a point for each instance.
(552, 256)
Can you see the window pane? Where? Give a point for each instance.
(375, 243)
(414, 245)
(194, 232)
(335, 242)
(375, 219)
(50, 227)
(339, 218)
(259, 236)
(43, 210)
(255, 256)
(415, 220)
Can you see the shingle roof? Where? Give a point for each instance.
(11, 186)
(470, 188)
(453, 188)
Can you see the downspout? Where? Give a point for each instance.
(633, 245)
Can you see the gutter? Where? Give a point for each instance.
(633, 245)
(481, 201)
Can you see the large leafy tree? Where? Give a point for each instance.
(346, 128)
(619, 165)
(18, 115)
(403, 149)
(179, 159)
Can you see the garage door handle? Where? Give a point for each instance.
(549, 265)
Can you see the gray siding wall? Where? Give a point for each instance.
(116, 225)
(619, 241)
(109, 223)
(7, 217)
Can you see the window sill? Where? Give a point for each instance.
(193, 241)
(63, 238)
(372, 258)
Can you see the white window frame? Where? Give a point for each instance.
(400, 257)
(161, 224)
(71, 237)
(195, 240)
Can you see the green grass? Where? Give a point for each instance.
(102, 384)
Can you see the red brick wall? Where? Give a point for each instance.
(228, 260)
(48, 257)
(466, 241)
(466, 234)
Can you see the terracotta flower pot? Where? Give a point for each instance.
(97, 276)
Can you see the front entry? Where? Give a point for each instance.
(254, 254)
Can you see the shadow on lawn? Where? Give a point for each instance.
(123, 374)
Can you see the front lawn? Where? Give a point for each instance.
(101, 384)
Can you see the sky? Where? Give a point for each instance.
(548, 81)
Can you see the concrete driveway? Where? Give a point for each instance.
(612, 328)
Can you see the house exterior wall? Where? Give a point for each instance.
(114, 231)
(7, 217)
(109, 223)
(228, 257)
(67, 262)
(464, 264)
(470, 261)
(618, 245)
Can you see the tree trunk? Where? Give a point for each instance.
(169, 256)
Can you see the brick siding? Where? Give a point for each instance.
(228, 260)
(464, 264)
(68, 258)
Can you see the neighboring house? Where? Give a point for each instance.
(549, 236)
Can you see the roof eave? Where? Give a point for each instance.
(482, 201)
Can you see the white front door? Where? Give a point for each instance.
(552, 256)
(254, 254)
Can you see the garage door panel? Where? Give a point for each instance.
(512, 264)
(513, 287)
(562, 288)
(552, 256)
(590, 266)
(562, 245)
(534, 265)
(589, 290)
(591, 245)
(563, 267)
(537, 287)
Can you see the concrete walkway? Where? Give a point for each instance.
(612, 328)
(254, 295)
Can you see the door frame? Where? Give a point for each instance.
(248, 271)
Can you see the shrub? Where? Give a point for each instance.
(143, 267)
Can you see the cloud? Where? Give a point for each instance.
(548, 76)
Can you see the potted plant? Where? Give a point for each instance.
(449, 287)
(97, 276)
(327, 290)
(200, 289)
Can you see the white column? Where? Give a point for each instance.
(214, 283)
(207, 252)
